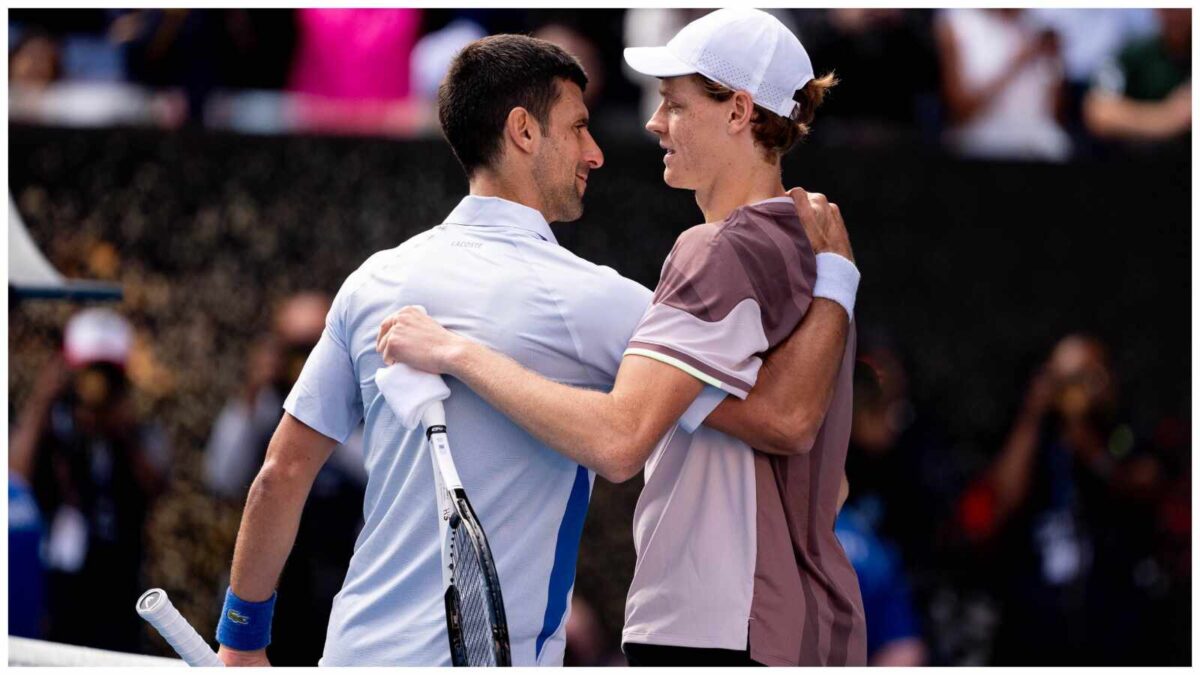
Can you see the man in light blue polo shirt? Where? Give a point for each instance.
(512, 109)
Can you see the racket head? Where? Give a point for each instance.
(475, 616)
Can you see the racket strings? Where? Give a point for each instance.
(470, 580)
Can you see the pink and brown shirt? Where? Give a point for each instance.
(736, 548)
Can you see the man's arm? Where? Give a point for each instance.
(1111, 115)
(34, 419)
(272, 517)
(784, 410)
(611, 433)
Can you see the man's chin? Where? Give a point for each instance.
(572, 212)
(673, 181)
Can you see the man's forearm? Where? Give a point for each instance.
(266, 535)
(1110, 115)
(273, 507)
(1011, 474)
(599, 430)
(785, 408)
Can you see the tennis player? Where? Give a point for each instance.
(737, 561)
(511, 108)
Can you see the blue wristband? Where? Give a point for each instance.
(245, 625)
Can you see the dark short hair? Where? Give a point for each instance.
(489, 78)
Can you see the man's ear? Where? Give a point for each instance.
(741, 112)
(522, 129)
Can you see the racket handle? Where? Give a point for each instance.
(434, 414)
(155, 607)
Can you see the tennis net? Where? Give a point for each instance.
(26, 652)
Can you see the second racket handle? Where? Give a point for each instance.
(155, 607)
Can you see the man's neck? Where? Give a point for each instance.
(738, 186)
(488, 184)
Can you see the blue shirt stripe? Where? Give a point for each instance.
(566, 552)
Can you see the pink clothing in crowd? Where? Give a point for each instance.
(354, 53)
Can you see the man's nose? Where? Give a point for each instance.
(592, 154)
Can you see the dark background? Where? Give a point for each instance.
(972, 269)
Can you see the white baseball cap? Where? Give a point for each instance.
(743, 49)
(97, 335)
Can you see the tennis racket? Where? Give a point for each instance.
(474, 606)
(155, 607)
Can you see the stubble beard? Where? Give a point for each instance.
(562, 201)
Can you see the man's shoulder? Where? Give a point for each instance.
(573, 274)
(747, 235)
(382, 259)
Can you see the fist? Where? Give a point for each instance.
(237, 658)
(409, 336)
(822, 221)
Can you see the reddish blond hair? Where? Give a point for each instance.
(777, 134)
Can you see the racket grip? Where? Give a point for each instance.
(155, 607)
(434, 414)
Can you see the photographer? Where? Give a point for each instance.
(95, 471)
(1067, 510)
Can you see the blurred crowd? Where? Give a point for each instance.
(1038, 84)
(1069, 544)
(1075, 537)
(1074, 530)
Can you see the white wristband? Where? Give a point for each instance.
(837, 280)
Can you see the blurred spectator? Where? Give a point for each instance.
(204, 50)
(353, 69)
(332, 516)
(34, 61)
(1090, 38)
(1068, 507)
(1002, 82)
(901, 481)
(96, 470)
(355, 54)
(26, 533)
(886, 65)
(173, 48)
(1146, 92)
(893, 630)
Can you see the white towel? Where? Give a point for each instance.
(409, 391)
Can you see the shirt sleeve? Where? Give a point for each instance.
(326, 396)
(725, 296)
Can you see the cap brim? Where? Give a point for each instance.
(656, 62)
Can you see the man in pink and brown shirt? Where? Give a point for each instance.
(737, 561)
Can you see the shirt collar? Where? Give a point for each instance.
(497, 212)
(774, 200)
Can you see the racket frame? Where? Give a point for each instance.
(455, 511)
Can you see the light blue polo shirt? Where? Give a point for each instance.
(492, 271)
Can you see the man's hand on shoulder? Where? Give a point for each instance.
(822, 221)
(411, 337)
(238, 658)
